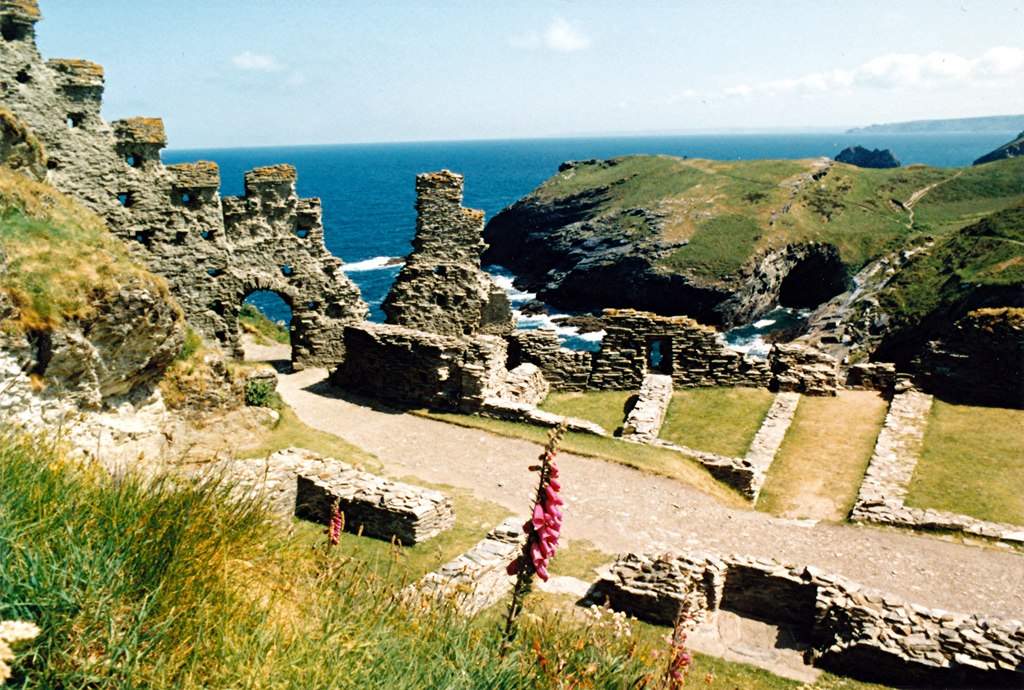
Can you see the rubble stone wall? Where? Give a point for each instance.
(212, 252)
(566, 370)
(692, 354)
(441, 288)
(861, 632)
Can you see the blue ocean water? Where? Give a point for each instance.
(368, 190)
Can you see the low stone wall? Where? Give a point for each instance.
(872, 376)
(643, 423)
(864, 633)
(802, 369)
(530, 414)
(565, 370)
(746, 474)
(476, 579)
(306, 484)
(884, 487)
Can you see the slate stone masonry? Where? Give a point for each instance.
(212, 252)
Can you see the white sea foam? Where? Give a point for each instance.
(763, 323)
(374, 264)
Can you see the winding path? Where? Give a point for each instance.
(619, 509)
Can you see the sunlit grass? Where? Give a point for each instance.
(716, 420)
(972, 463)
(605, 408)
(819, 467)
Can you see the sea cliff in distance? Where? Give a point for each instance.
(996, 123)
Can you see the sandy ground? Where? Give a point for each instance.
(621, 510)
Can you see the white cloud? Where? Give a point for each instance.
(560, 36)
(565, 38)
(996, 67)
(254, 62)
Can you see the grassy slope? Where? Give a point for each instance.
(722, 209)
(972, 463)
(989, 252)
(607, 408)
(166, 584)
(61, 257)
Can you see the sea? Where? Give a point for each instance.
(368, 192)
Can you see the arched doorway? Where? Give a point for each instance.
(265, 327)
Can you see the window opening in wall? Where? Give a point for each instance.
(206, 234)
(12, 31)
(186, 198)
(52, 164)
(144, 237)
(659, 356)
(214, 272)
(287, 270)
(180, 237)
(23, 76)
(126, 199)
(302, 233)
(311, 305)
(134, 160)
(75, 120)
(218, 308)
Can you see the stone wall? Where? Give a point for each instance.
(565, 370)
(643, 423)
(299, 482)
(442, 288)
(802, 369)
(883, 490)
(860, 632)
(476, 579)
(213, 253)
(692, 354)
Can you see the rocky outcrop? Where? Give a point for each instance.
(980, 360)
(868, 158)
(1011, 150)
(20, 150)
(212, 252)
(442, 288)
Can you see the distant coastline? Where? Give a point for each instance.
(963, 125)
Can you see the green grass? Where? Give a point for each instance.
(723, 210)
(61, 258)
(821, 463)
(171, 584)
(253, 321)
(606, 408)
(716, 420)
(972, 463)
(666, 463)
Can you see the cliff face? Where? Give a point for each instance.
(1011, 150)
(725, 242)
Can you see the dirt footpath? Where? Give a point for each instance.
(621, 509)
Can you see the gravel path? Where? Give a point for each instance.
(620, 509)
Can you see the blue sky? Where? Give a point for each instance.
(261, 72)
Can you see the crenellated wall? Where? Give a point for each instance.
(213, 252)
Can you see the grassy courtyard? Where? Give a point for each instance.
(972, 463)
(716, 420)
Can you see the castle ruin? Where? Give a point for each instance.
(214, 252)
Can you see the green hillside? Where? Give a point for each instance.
(727, 212)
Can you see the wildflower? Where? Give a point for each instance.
(542, 531)
(333, 532)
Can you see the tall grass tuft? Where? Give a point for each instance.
(169, 583)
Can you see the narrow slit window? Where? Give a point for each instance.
(287, 270)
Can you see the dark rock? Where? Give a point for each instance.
(1012, 150)
(583, 324)
(863, 158)
(534, 308)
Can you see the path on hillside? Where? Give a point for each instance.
(621, 509)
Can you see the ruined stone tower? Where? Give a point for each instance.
(441, 288)
(212, 252)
